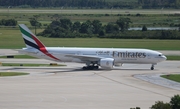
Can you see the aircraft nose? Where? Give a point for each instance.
(164, 58)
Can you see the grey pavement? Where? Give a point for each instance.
(70, 87)
(157, 79)
(8, 52)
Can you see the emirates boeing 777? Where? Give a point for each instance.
(106, 58)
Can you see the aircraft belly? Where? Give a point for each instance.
(132, 60)
(63, 58)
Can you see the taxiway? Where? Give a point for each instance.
(69, 87)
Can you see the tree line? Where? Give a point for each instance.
(159, 3)
(92, 3)
(173, 104)
(8, 22)
(59, 3)
(65, 28)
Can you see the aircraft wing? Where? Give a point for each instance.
(82, 57)
(85, 57)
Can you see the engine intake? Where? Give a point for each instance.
(107, 63)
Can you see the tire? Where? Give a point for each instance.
(84, 68)
(152, 68)
(96, 67)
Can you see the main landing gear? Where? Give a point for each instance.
(90, 67)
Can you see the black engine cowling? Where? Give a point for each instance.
(107, 63)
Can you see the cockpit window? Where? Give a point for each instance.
(160, 55)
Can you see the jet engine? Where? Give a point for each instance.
(107, 63)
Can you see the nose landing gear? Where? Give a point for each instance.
(152, 67)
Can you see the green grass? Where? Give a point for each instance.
(46, 15)
(173, 57)
(12, 74)
(20, 57)
(12, 39)
(29, 65)
(113, 43)
(174, 77)
(149, 17)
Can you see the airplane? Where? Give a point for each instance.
(106, 58)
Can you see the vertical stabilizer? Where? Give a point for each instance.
(30, 39)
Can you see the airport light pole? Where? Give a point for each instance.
(8, 10)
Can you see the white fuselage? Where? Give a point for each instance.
(106, 58)
(82, 55)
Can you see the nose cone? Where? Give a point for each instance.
(164, 58)
(161, 58)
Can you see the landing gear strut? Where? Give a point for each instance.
(152, 67)
(90, 67)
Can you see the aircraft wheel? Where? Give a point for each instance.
(84, 68)
(90, 67)
(96, 67)
(152, 68)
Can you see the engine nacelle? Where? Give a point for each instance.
(107, 63)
